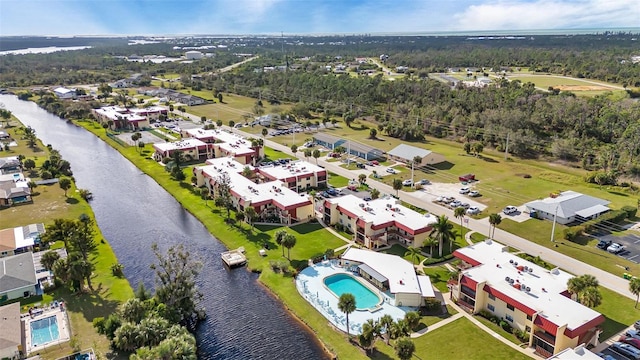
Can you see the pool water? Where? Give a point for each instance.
(44, 331)
(343, 283)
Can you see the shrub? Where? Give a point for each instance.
(505, 326)
(432, 305)
(117, 270)
(630, 210)
(572, 233)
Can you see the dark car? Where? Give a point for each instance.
(332, 192)
(360, 166)
(604, 244)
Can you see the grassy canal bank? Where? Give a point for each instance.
(49, 203)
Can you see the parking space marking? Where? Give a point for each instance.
(638, 241)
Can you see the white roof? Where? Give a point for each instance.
(294, 168)
(402, 277)
(568, 203)
(408, 152)
(115, 112)
(63, 90)
(275, 191)
(425, 286)
(229, 142)
(578, 353)
(148, 110)
(383, 210)
(546, 285)
(178, 145)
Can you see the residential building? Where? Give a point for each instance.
(376, 223)
(391, 274)
(352, 147)
(17, 277)
(10, 165)
(568, 206)
(580, 352)
(64, 93)
(11, 334)
(272, 200)
(191, 149)
(298, 175)
(20, 239)
(225, 144)
(122, 118)
(14, 192)
(528, 297)
(406, 153)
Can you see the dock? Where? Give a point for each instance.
(234, 258)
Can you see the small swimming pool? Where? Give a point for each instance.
(345, 283)
(44, 331)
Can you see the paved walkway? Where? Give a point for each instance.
(423, 200)
(437, 325)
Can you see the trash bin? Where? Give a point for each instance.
(626, 276)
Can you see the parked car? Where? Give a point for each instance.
(631, 341)
(626, 350)
(375, 162)
(332, 192)
(474, 193)
(455, 203)
(633, 333)
(367, 198)
(448, 199)
(473, 210)
(467, 178)
(407, 182)
(636, 325)
(615, 248)
(424, 182)
(604, 244)
(440, 199)
(360, 166)
(606, 356)
(510, 210)
(464, 190)
(465, 205)
(391, 170)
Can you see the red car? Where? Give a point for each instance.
(631, 341)
(467, 178)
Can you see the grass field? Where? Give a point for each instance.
(401, 251)
(234, 107)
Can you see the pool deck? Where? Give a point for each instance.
(310, 285)
(63, 329)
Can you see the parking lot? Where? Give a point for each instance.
(631, 243)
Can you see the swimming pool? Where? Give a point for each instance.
(44, 331)
(345, 283)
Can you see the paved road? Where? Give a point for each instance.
(423, 200)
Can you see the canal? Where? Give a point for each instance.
(133, 211)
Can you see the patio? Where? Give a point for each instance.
(310, 285)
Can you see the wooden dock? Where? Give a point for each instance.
(234, 258)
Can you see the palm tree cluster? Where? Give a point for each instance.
(55, 166)
(387, 329)
(443, 231)
(285, 240)
(584, 289)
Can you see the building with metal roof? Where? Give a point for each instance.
(568, 206)
(406, 153)
(352, 147)
(17, 277)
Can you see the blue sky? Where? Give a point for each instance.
(150, 17)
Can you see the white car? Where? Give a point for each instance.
(474, 193)
(473, 210)
(448, 199)
(407, 182)
(464, 190)
(423, 182)
(615, 248)
(510, 210)
(391, 171)
(440, 199)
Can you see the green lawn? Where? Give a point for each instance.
(233, 107)
(273, 154)
(337, 181)
(619, 312)
(539, 231)
(495, 327)
(544, 81)
(439, 275)
(401, 251)
(429, 320)
(463, 340)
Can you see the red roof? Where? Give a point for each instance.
(516, 304)
(584, 327)
(466, 258)
(349, 213)
(545, 324)
(468, 282)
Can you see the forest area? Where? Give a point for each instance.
(597, 133)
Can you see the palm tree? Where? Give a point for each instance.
(590, 297)
(65, 184)
(316, 155)
(399, 328)
(414, 253)
(397, 185)
(250, 215)
(347, 304)
(584, 289)
(413, 319)
(459, 214)
(265, 132)
(430, 242)
(279, 237)
(443, 231)
(289, 241)
(385, 323)
(575, 286)
(405, 348)
(375, 193)
(362, 178)
(494, 220)
(634, 287)
(370, 331)
(294, 149)
(307, 153)
(48, 259)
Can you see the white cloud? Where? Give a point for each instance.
(549, 14)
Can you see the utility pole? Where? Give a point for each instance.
(506, 148)
(553, 227)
